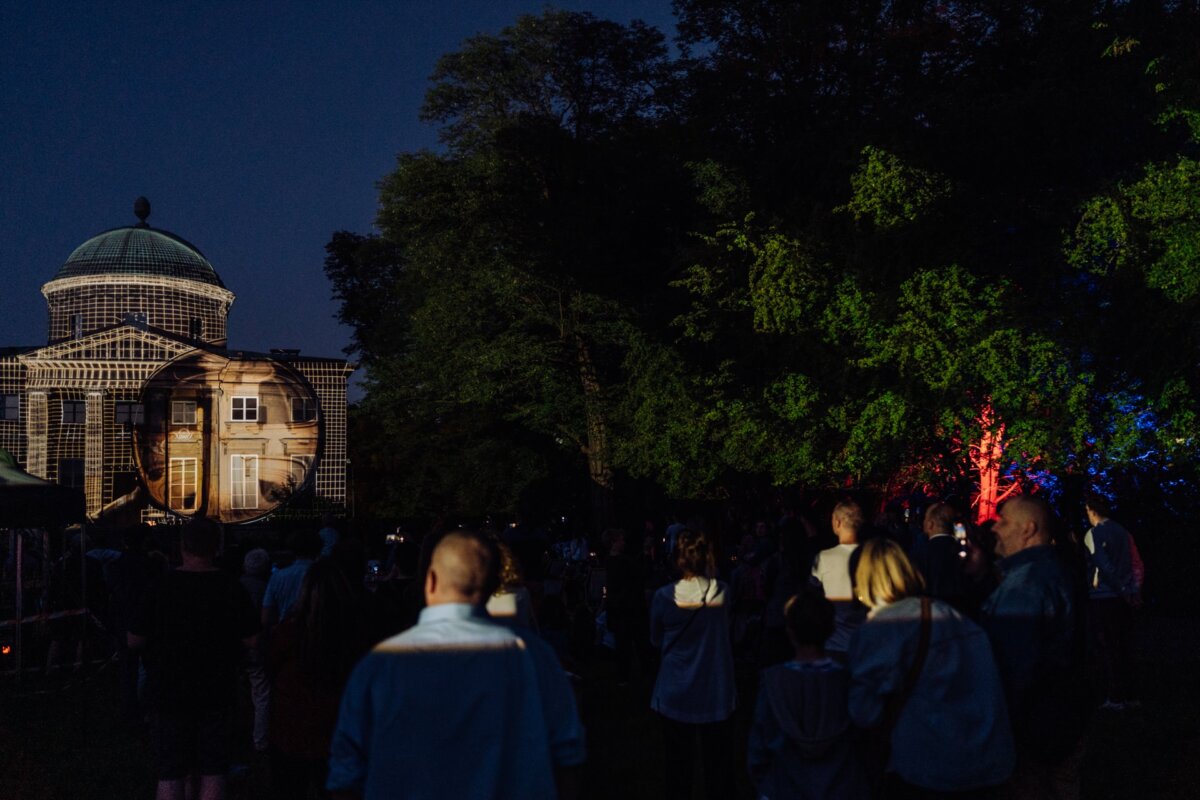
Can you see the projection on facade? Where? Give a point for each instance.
(137, 400)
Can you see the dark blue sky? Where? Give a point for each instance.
(255, 129)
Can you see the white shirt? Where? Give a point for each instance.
(832, 570)
(689, 621)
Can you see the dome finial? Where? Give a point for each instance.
(141, 209)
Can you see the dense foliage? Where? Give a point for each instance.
(826, 244)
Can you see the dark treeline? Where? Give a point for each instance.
(806, 244)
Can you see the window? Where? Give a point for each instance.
(128, 414)
(76, 326)
(74, 411)
(304, 409)
(182, 483)
(244, 409)
(299, 470)
(70, 472)
(243, 477)
(196, 328)
(10, 406)
(183, 412)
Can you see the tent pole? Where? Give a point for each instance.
(19, 548)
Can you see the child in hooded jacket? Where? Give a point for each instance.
(799, 745)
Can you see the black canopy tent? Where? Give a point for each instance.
(28, 503)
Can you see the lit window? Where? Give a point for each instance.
(10, 406)
(74, 411)
(196, 328)
(183, 412)
(76, 326)
(182, 482)
(304, 409)
(243, 477)
(244, 409)
(128, 413)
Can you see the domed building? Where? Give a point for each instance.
(137, 400)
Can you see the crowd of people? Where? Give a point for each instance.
(925, 657)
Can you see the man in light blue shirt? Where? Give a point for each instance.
(283, 589)
(457, 706)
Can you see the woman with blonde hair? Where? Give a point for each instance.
(923, 677)
(695, 693)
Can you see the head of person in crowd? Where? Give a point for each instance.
(614, 541)
(511, 577)
(199, 541)
(885, 574)
(332, 632)
(305, 544)
(694, 555)
(464, 568)
(981, 549)
(848, 521)
(1097, 506)
(257, 563)
(1024, 521)
(808, 618)
(939, 520)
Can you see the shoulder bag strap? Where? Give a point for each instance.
(896, 705)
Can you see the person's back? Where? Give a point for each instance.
(831, 570)
(452, 674)
(284, 586)
(1110, 560)
(689, 621)
(800, 739)
(942, 563)
(953, 732)
(923, 674)
(457, 706)
(194, 628)
(194, 638)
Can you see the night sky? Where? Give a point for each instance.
(255, 129)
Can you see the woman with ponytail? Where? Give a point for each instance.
(694, 693)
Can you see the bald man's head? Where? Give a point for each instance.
(940, 519)
(848, 521)
(1024, 521)
(465, 568)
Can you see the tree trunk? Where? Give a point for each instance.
(596, 450)
(987, 457)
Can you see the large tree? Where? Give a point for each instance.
(823, 246)
(887, 296)
(530, 248)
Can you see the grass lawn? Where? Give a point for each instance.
(68, 742)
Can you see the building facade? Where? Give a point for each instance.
(137, 399)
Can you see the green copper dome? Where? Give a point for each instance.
(139, 250)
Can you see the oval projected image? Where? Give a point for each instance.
(229, 438)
